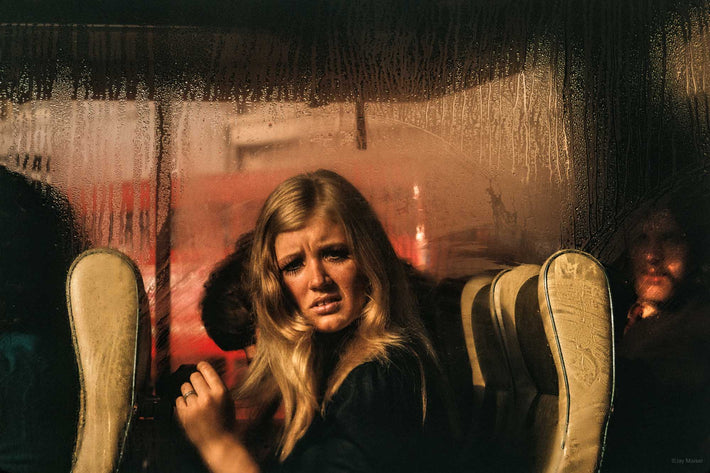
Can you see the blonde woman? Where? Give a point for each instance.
(340, 346)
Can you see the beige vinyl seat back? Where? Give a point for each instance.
(534, 409)
(491, 376)
(110, 325)
(513, 293)
(540, 340)
(575, 306)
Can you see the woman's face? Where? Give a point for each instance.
(659, 256)
(318, 269)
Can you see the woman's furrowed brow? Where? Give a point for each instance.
(330, 245)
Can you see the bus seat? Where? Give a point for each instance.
(491, 378)
(513, 293)
(110, 324)
(476, 291)
(541, 348)
(533, 411)
(447, 336)
(575, 306)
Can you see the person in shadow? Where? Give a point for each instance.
(38, 377)
(661, 418)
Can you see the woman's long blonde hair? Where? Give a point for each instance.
(286, 363)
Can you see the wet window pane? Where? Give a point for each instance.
(483, 135)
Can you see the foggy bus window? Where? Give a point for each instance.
(485, 133)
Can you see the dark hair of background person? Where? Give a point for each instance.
(38, 377)
(227, 311)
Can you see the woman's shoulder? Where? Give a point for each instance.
(399, 365)
(393, 386)
(381, 406)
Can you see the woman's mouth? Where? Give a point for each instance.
(326, 305)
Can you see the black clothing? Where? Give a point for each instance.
(38, 403)
(661, 419)
(374, 423)
(39, 384)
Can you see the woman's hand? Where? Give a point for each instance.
(205, 409)
(206, 412)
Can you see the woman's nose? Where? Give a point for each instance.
(318, 275)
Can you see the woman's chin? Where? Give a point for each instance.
(331, 323)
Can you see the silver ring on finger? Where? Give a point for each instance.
(188, 394)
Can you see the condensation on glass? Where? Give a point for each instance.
(480, 143)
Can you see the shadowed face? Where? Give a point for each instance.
(659, 257)
(318, 270)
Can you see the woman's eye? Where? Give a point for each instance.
(336, 254)
(292, 267)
